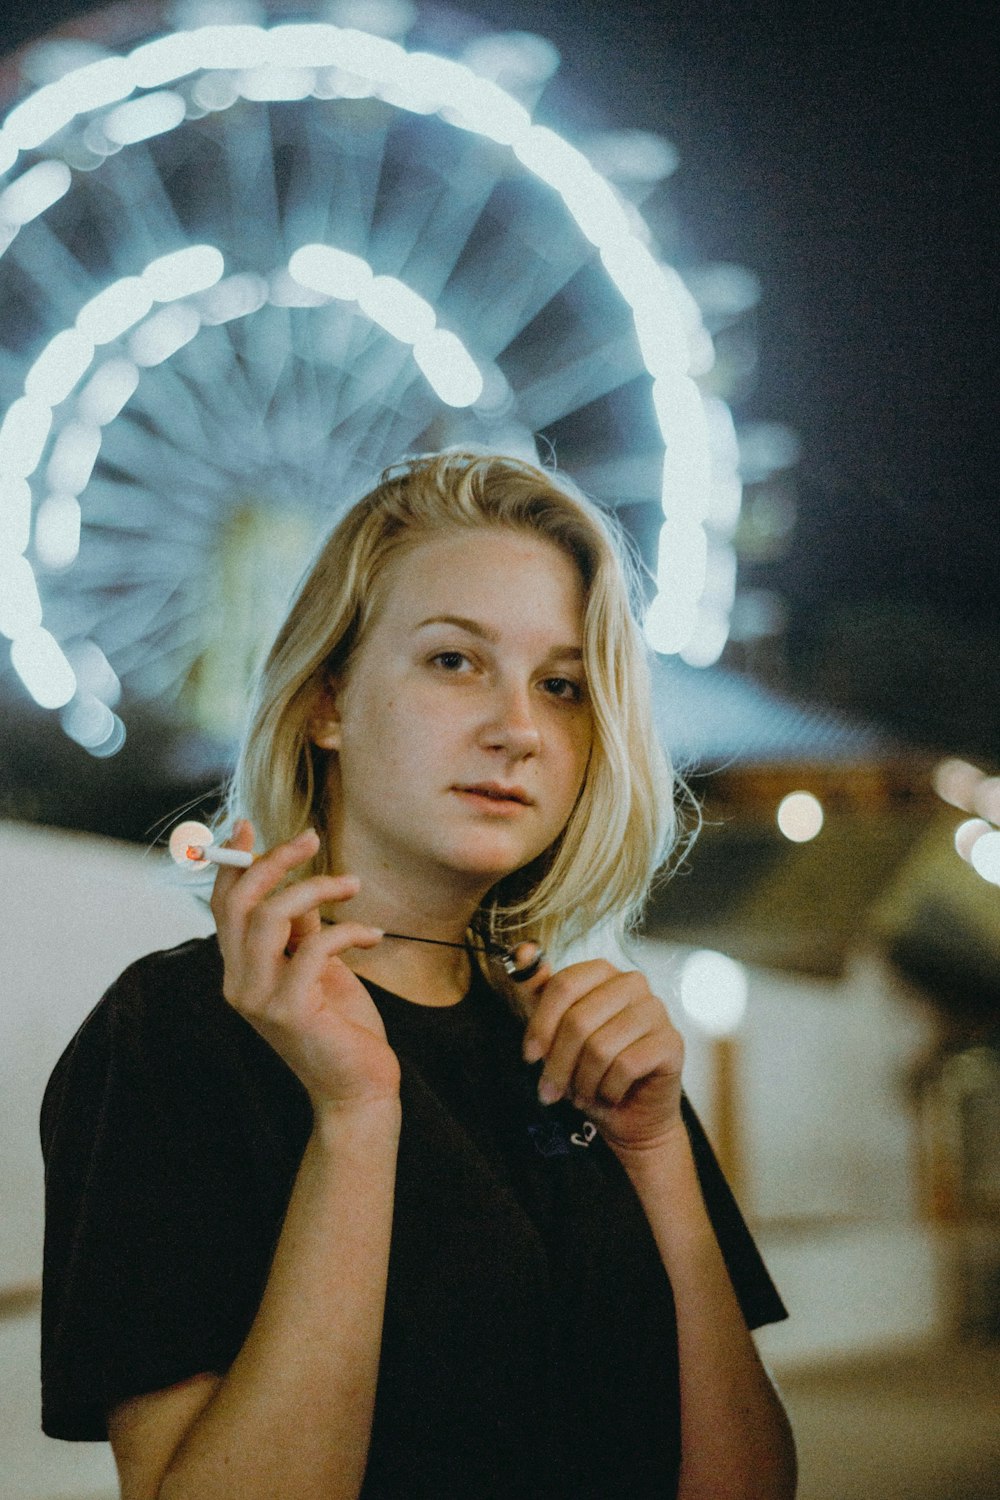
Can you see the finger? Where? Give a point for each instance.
(554, 998)
(599, 1055)
(270, 869)
(242, 837)
(525, 955)
(647, 1056)
(577, 1027)
(312, 956)
(270, 923)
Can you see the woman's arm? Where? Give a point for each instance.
(736, 1441)
(609, 1045)
(293, 1415)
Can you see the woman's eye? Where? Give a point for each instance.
(450, 660)
(564, 687)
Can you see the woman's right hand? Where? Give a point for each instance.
(285, 975)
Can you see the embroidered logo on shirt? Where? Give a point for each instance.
(549, 1137)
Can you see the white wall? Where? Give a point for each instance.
(76, 910)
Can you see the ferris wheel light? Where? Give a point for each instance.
(397, 308)
(141, 119)
(335, 273)
(43, 668)
(682, 558)
(183, 272)
(163, 334)
(449, 368)
(165, 59)
(57, 531)
(23, 435)
(61, 365)
(33, 192)
(670, 622)
(984, 856)
(234, 297)
(88, 721)
(107, 391)
(708, 639)
(73, 458)
(115, 310)
(271, 83)
(15, 515)
(20, 606)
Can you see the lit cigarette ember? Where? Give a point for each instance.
(191, 845)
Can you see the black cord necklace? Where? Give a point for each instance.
(505, 955)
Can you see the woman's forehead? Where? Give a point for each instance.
(488, 563)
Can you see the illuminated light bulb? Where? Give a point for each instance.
(449, 367)
(956, 782)
(61, 365)
(335, 273)
(713, 991)
(304, 45)
(165, 59)
(141, 119)
(231, 46)
(15, 515)
(43, 668)
(73, 458)
(112, 744)
(985, 856)
(234, 297)
(215, 91)
(275, 83)
(670, 622)
(986, 799)
(57, 531)
(800, 816)
(34, 191)
(397, 308)
(20, 606)
(708, 640)
(23, 436)
(368, 55)
(183, 272)
(108, 391)
(94, 673)
(163, 334)
(115, 310)
(968, 834)
(8, 152)
(682, 558)
(479, 104)
(88, 721)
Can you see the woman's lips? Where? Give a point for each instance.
(490, 803)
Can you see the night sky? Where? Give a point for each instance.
(844, 153)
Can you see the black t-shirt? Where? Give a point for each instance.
(529, 1344)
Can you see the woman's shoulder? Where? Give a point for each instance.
(160, 1012)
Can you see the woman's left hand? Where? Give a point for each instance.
(609, 1046)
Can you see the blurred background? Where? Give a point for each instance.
(728, 266)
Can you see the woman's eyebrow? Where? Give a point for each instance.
(563, 653)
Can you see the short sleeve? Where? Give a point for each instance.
(158, 1231)
(757, 1295)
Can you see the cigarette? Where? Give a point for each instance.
(191, 845)
(242, 858)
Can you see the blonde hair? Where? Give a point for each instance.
(622, 828)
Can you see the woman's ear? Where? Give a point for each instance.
(324, 721)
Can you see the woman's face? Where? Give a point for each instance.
(470, 673)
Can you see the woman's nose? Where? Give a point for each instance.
(512, 725)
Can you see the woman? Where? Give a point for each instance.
(337, 1207)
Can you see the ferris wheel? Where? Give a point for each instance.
(248, 258)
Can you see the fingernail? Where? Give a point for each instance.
(532, 1050)
(548, 1093)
